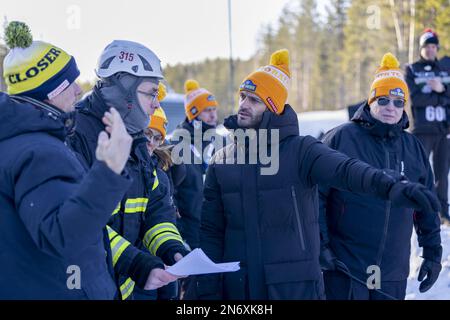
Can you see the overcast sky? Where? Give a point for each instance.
(177, 30)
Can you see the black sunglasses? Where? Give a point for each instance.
(398, 103)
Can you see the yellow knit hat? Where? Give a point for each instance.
(34, 68)
(271, 83)
(158, 121)
(197, 99)
(389, 80)
(162, 91)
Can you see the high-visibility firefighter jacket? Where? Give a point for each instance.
(145, 218)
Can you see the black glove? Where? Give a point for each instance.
(413, 195)
(431, 267)
(169, 256)
(141, 267)
(327, 259)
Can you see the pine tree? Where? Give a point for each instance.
(368, 35)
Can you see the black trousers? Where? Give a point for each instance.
(438, 145)
(339, 286)
(304, 290)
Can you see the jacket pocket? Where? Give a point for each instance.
(205, 287)
(298, 219)
(292, 280)
(235, 285)
(340, 215)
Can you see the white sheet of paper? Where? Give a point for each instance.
(197, 262)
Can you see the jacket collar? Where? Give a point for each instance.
(377, 128)
(286, 123)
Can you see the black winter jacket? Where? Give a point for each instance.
(270, 222)
(363, 230)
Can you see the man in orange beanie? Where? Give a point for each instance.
(360, 232)
(200, 104)
(270, 222)
(201, 115)
(429, 83)
(198, 145)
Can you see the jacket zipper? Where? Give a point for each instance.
(387, 216)
(297, 216)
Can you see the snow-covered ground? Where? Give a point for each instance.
(441, 289)
(312, 123)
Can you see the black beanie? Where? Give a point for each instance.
(428, 36)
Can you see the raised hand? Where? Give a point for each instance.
(114, 149)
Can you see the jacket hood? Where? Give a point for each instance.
(286, 123)
(93, 103)
(20, 115)
(376, 127)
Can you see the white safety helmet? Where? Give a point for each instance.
(130, 57)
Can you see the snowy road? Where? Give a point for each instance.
(441, 290)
